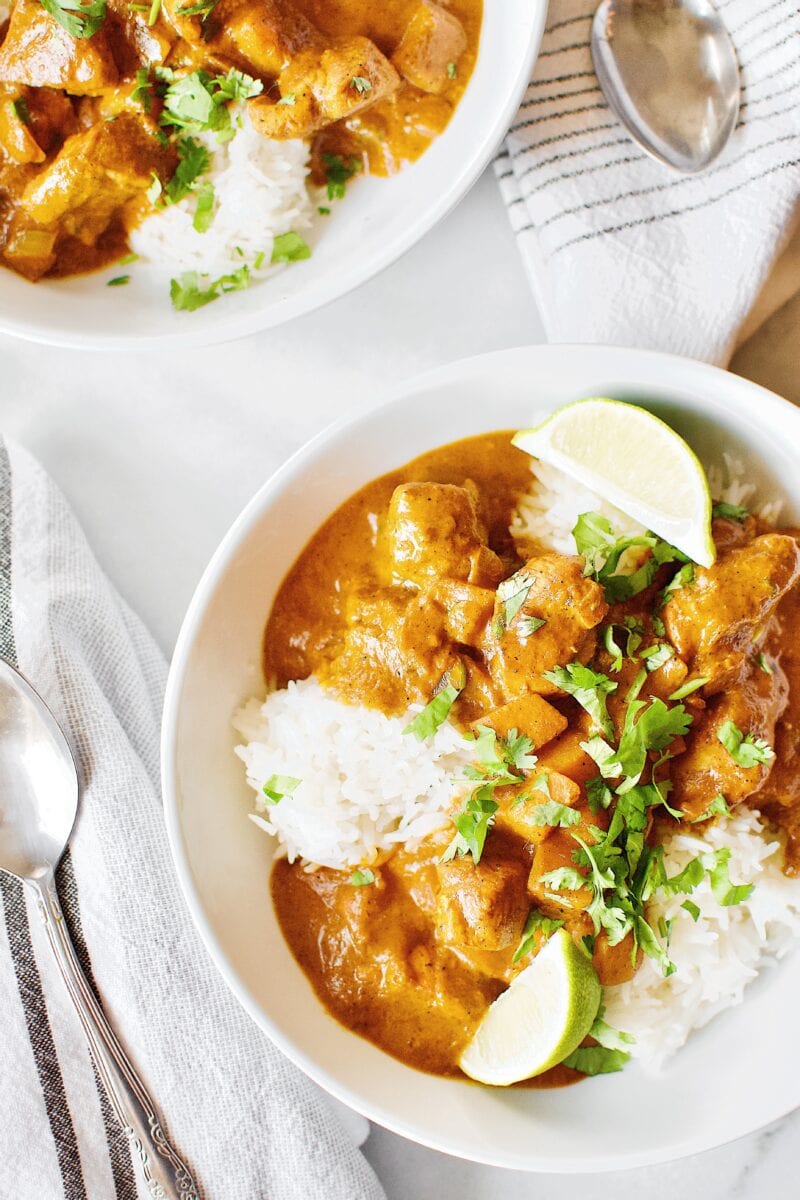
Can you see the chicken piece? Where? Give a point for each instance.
(615, 964)
(782, 789)
(39, 53)
(716, 622)
(466, 609)
(136, 42)
(94, 174)
(571, 606)
(394, 649)
(431, 46)
(264, 36)
(707, 768)
(529, 715)
(433, 532)
(481, 905)
(325, 86)
(517, 804)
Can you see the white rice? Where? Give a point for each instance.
(260, 190)
(366, 786)
(719, 954)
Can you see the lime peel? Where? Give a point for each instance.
(634, 460)
(539, 1020)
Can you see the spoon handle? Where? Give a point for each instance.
(165, 1175)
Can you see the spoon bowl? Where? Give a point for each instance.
(38, 781)
(668, 70)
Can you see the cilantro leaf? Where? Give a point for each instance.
(278, 786)
(473, 824)
(764, 663)
(338, 171)
(596, 1060)
(611, 1039)
(528, 625)
(536, 923)
(717, 808)
(603, 550)
(554, 814)
(656, 655)
(187, 294)
(194, 161)
(681, 579)
(656, 727)
(589, 688)
(289, 247)
(692, 909)
(434, 714)
(204, 212)
(513, 592)
(746, 751)
(236, 86)
(362, 877)
(361, 84)
(81, 20)
(691, 685)
(563, 879)
(733, 512)
(725, 893)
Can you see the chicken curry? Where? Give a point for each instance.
(572, 675)
(96, 94)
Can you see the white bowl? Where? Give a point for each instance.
(377, 222)
(736, 1075)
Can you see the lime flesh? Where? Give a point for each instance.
(635, 461)
(543, 1016)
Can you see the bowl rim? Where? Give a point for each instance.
(350, 275)
(719, 386)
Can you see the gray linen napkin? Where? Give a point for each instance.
(249, 1124)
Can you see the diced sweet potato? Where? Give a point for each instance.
(432, 44)
(531, 715)
(518, 804)
(565, 756)
(553, 853)
(483, 905)
(615, 964)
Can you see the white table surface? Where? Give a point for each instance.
(158, 452)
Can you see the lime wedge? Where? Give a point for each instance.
(635, 461)
(543, 1016)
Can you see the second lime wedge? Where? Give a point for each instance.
(543, 1016)
(635, 461)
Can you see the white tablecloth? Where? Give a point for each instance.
(158, 453)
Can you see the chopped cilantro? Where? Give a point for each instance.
(589, 688)
(152, 16)
(612, 1039)
(452, 70)
(717, 808)
(536, 923)
(323, 211)
(156, 188)
(632, 631)
(197, 102)
(598, 794)
(289, 99)
(526, 626)
(554, 814)
(596, 1060)
(691, 685)
(81, 20)
(434, 714)
(746, 751)
(289, 247)
(203, 8)
(512, 593)
(764, 663)
(680, 580)
(278, 786)
(659, 628)
(656, 727)
(361, 85)
(563, 879)
(193, 161)
(732, 512)
(473, 824)
(362, 877)
(204, 212)
(128, 259)
(603, 552)
(691, 908)
(338, 171)
(19, 107)
(656, 655)
(187, 294)
(119, 281)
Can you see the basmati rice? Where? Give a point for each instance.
(260, 191)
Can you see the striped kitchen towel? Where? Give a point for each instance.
(248, 1123)
(622, 249)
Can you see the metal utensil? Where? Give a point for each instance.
(38, 804)
(668, 69)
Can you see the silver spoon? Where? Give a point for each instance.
(668, 69)
(38, 805)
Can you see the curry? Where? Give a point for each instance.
(88, 144)
(415, 585)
